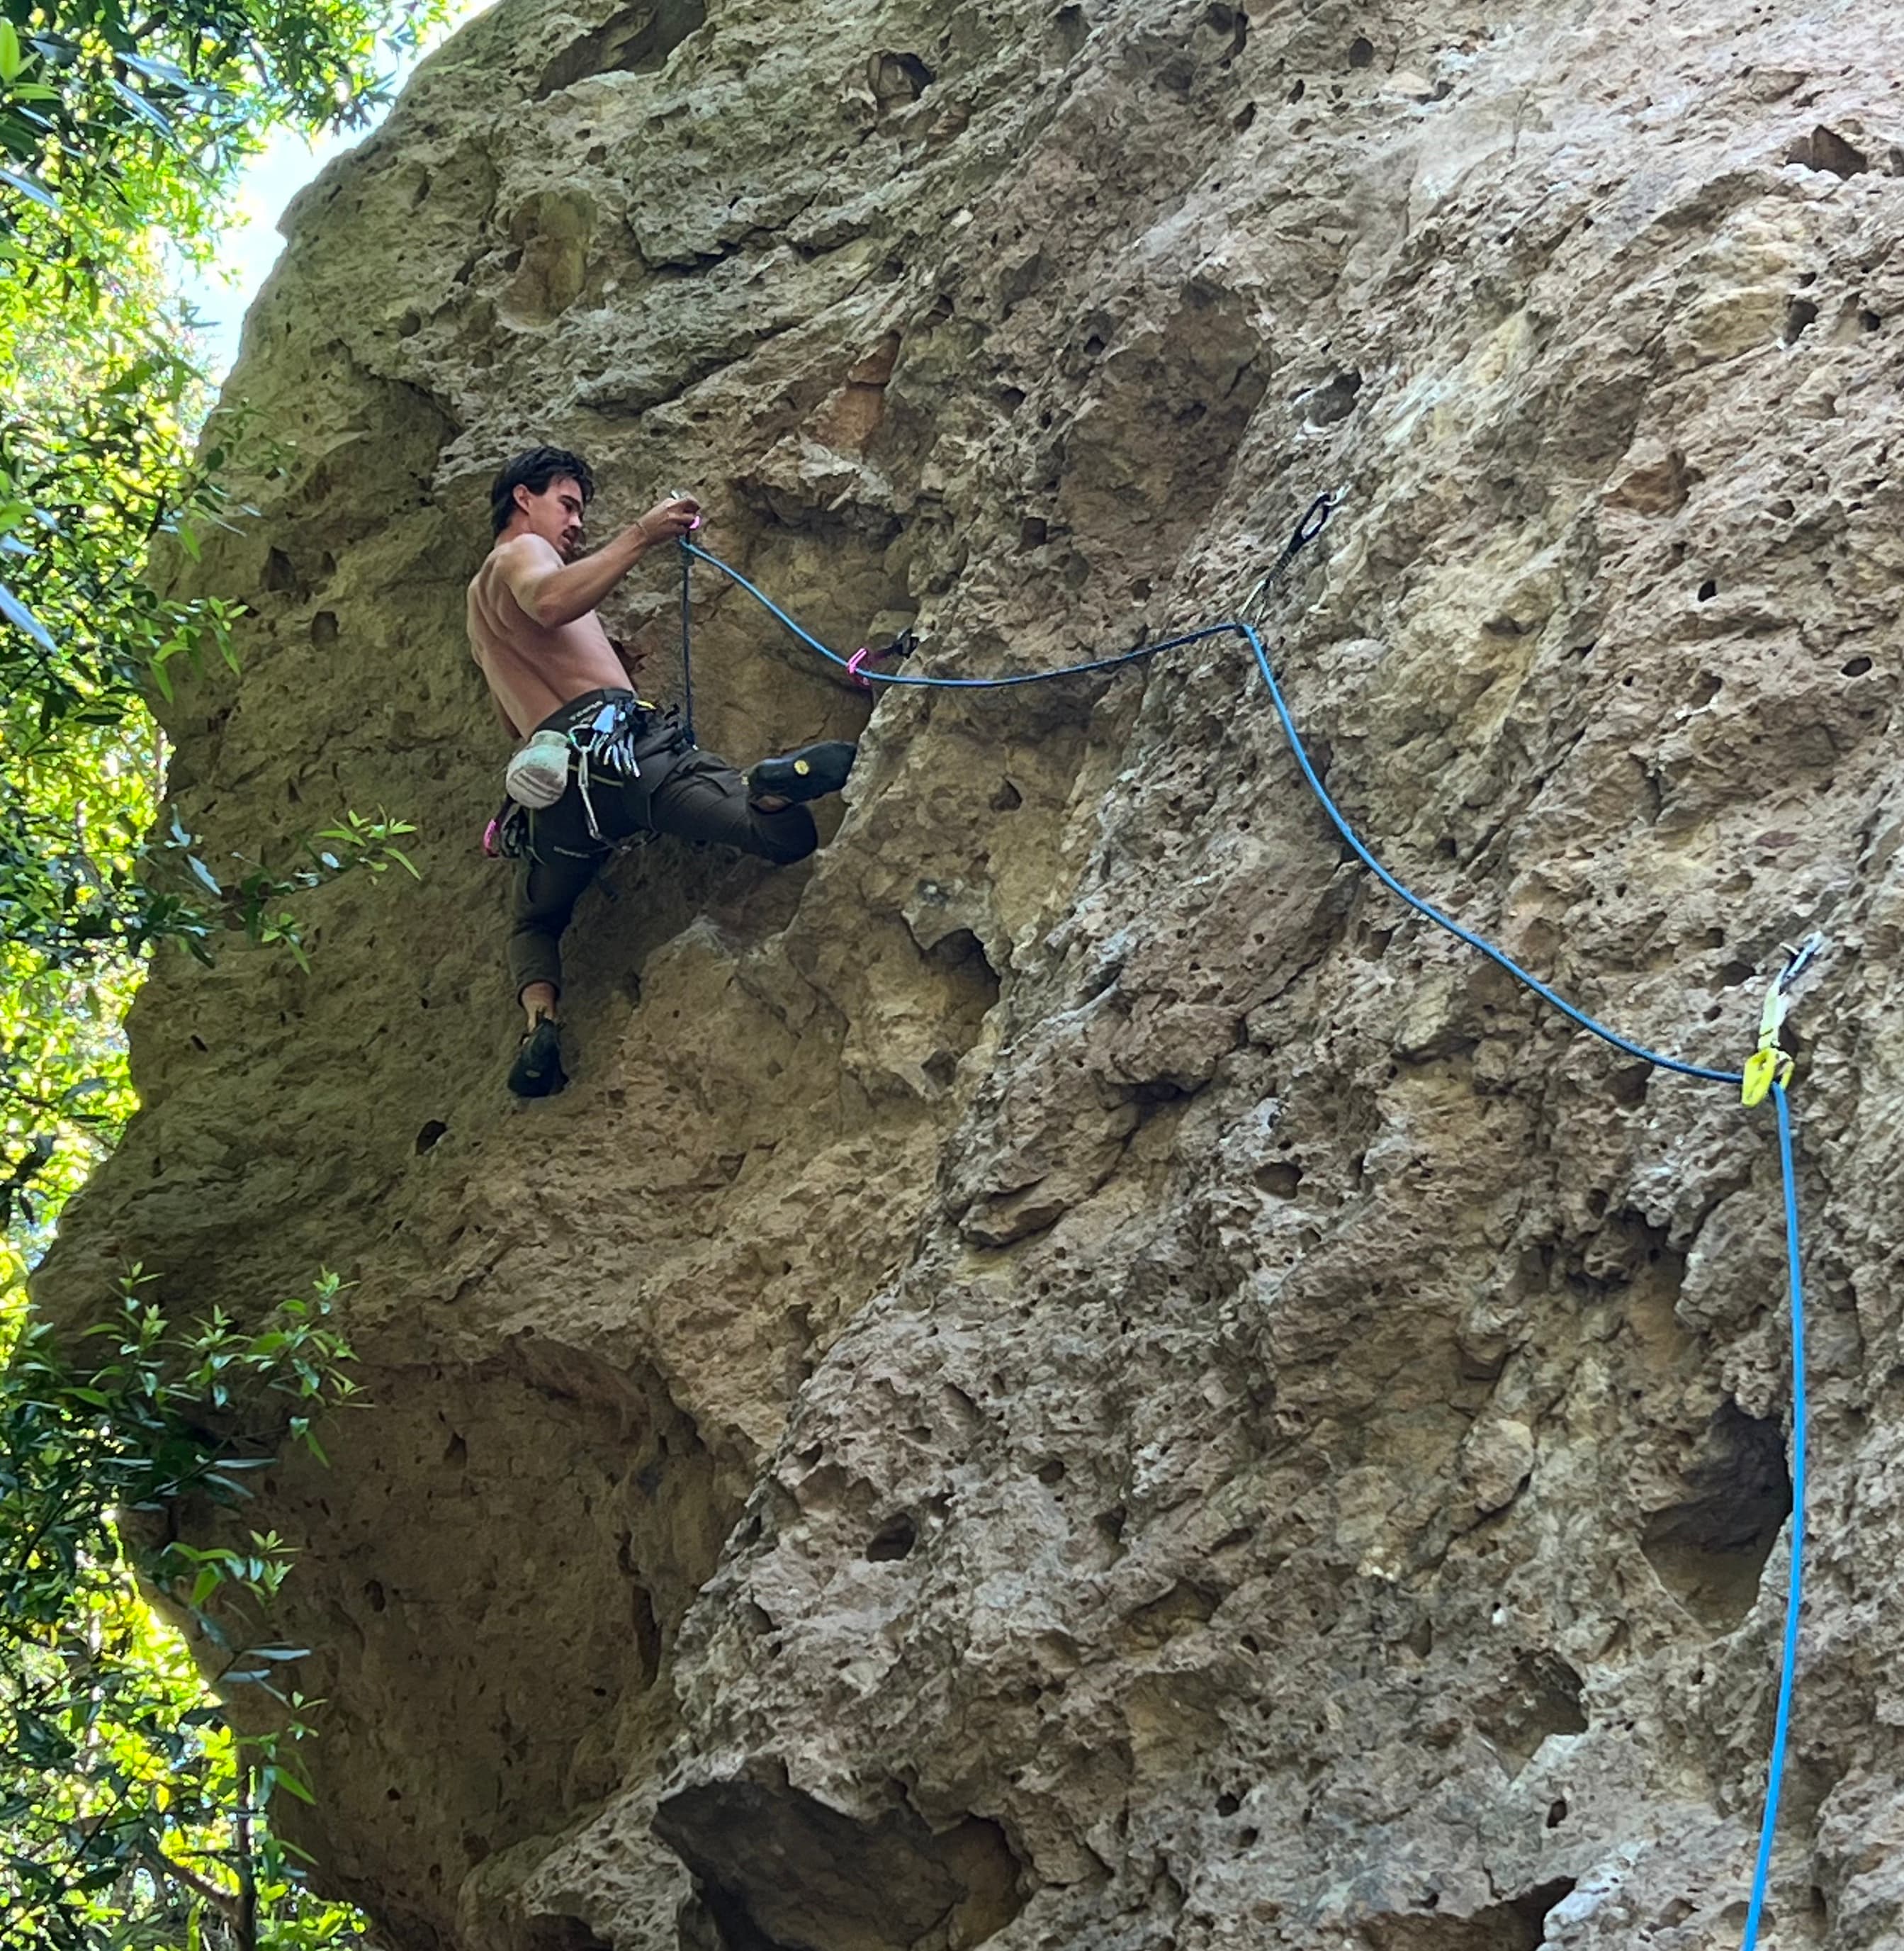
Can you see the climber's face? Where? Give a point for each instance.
(556, 514)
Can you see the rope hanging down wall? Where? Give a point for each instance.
(1767, 1073)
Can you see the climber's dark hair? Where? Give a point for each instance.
(534, 471)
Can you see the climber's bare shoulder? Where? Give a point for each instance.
(502, 591)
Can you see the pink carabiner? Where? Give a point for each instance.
(489, 841)
(854, 671)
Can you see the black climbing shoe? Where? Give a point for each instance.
(807, 774)
(537, 1072)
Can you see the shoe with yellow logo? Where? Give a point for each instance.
(809, 773)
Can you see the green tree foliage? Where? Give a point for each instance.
(133, 1810)
(116, 118)
(120, 128)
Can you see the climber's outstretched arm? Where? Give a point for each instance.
(552, 594)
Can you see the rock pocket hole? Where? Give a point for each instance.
(777, 1870)
(892, 1540)
(1540, 1696)
(1519, 1924)
(430, 1132)
(1799, 314)
(1709, 1550)
(1708, 590)
(1362, 51)
(634, 40)
(1857, 667)
(1826, 149)
(1335, 401)
(1280, 1179)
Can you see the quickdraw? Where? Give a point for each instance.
(1770, 1063)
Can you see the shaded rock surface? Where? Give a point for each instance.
(1067, 1375)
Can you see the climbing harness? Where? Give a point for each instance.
(1768, 1072)
(610, 743)
(506, 838)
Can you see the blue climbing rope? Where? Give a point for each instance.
(1447, 921)
(1794, 1586)
(1354, 841)
(1311, 525)
(813, 643)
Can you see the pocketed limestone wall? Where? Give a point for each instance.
(1066, 1374)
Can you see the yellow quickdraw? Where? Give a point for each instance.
(1769, 1064)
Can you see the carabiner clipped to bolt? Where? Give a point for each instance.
(1316, 519)
(1770, 1063)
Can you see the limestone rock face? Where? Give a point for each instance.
(1069, 1374)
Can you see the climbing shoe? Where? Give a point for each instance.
(811, 772)
(537, 1072)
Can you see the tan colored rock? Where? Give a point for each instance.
(1070, 1376)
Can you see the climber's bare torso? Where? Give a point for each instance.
(533, 669)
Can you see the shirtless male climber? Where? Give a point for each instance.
(620, 768)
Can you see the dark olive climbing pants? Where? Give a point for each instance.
(687, 792)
